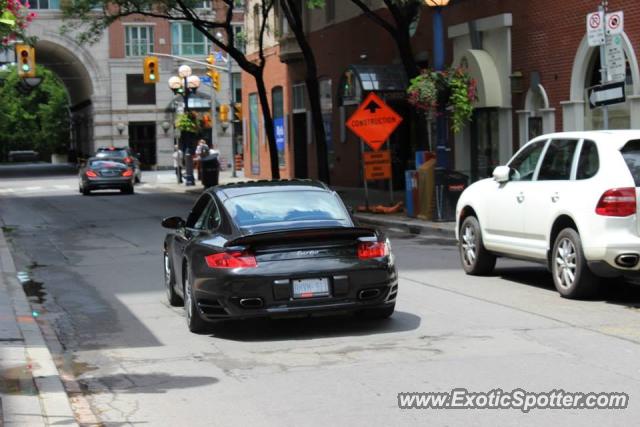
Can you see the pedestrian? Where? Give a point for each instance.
(202, 149)
(177, 162)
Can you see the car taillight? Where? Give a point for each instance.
(91, 174)
(128, 172)
(367, 250)
(617, 202)
(231, 260)
(128, 160)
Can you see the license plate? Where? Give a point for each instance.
(310, 288)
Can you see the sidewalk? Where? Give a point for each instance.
(353, 197)
(31, 390)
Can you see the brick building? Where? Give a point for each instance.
(531, 60)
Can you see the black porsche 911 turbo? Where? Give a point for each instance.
(275, 249)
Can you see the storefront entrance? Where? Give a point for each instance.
(485, 143)
(142, 140)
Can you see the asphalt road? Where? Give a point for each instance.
(97, 266)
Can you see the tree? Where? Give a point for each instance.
(39, 120)
(80, 15)
(404, 13)
(293, 15)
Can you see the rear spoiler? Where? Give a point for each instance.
(303, 234)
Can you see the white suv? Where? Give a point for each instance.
(567, 200)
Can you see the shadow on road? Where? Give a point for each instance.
(158, 382)
(32, 170)
(312, 327)
(618, 291)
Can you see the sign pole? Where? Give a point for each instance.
(391, 177)
(603, 66)
(364, 177)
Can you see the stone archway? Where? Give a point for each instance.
(87, 83)
(574, 112)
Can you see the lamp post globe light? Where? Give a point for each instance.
(442, 150)
(186, 84)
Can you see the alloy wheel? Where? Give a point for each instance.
(469, 254)
(565, 260)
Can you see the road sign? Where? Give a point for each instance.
(374, 121)
(612, 93)
(616, 63)
(615, 22)
(595, 28)
(377, 165)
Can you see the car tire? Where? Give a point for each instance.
(192, 315)
(128, 190)
(474, 257)
(170, 282)
(86, 191)
(571, 275)
(377, 312)
(138, 179)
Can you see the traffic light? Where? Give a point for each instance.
(223, 113)
(26, 57)
(151, 71)
(237, 111)
(215, 80)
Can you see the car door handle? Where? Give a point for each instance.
(520, 198)
(555, 197)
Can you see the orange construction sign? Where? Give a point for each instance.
(374, 121)
(377, 165)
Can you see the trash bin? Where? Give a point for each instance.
(411, 196)
(449, 186)
(210, 170)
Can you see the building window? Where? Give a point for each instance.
(239, 4)
(186, 40)
(139, 93)
(299, 98)
(205, 4)
(237, 87)
(138, 40)
(239, 37)
(45, 4)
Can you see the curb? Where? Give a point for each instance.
(54, 403)
(442, 230)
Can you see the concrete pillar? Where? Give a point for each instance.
(572, 115)
(548, 120)
(523, 126)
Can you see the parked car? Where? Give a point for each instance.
(123, 154)
(275, 249)
(104, 174)
(23, 156)
(568, 200)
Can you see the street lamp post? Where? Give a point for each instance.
(442, 150)
(186, 84)
(438, 65)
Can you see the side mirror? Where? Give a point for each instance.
(501, 174)
(173, 223)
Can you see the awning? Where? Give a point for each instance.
(359, 79)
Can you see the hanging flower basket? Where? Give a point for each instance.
(454, 89)
(14, 19)
(188, 122)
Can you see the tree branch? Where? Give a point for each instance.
(375, 17)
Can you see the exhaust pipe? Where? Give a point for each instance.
(627, 260)
(251, 302)
(368, 293)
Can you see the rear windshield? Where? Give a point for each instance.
(112, 153)
(631, 154)
(287, 209)
(97, 164)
